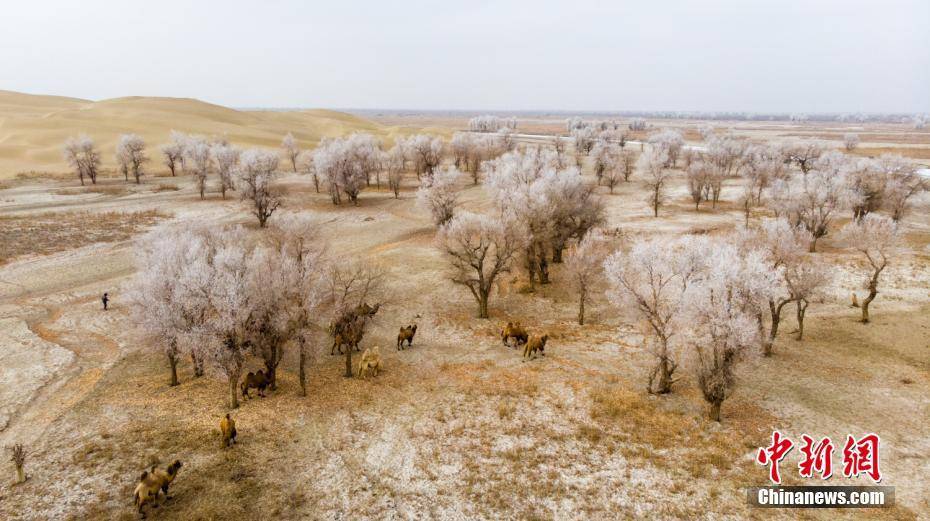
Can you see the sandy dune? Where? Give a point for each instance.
(33, 128)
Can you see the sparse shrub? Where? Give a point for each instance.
(18, 458)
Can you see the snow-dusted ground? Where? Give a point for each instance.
(458, 426)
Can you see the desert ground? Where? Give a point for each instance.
(33, 127)
(456, 427)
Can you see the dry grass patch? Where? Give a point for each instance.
(642, 421)
(32, 175)
(165, 187)
(111, 190)
(911, 152)
(54, 232)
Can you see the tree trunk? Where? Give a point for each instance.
(802, 309)
(198, 365)
(272, 373)
(233, 397)
(776, 320)
(349, 349)
(483, 304)
(581, 309)
(20, 474)
(173, 362)
(813, 248)
(715, 410)
(543, 267)
(865, 303)
(271, 367)
(664, 370)
(301, 364)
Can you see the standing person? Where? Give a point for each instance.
(106, 300)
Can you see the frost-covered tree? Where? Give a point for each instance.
(554, 206)
(256, 172)
(651, 279)
(130, 154)
(226, 296)
(637, 124)
(82, 155)
(651, 164)
(902, 183)
(878, 239)
(426, 152)
(439, 194)
(811, 201)
(574, 122)
(669, 141)
(306, 166)
(584, 138)
(718, 306)
(471, 150)
(395, 164)
(803, 154)
(585, 266)
(606, 158)
(479, 248)
(272, 275)
(347, 164)
(558, 144)
(575, 210)
(490, 123)
(726, 154)
(851, 141)
(197, 159)
(225, 160)
(351, 286)
(627, 163)
(763, 165)
(303, 279)
(725, 157)
(799, 277)
(706, 131)
(291, 150)
(173, 152)
(164, 295)
(505, 137)
(226, 329)
(698, 176)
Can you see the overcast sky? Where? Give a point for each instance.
(741, 55)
